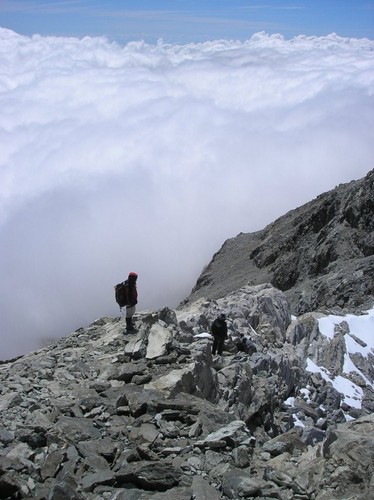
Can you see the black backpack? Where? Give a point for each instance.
(120, 294)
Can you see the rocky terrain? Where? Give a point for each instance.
(105, 414)
(320, 254)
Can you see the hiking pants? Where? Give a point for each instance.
(128, 311)
(218, 343)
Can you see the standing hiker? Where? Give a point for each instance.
(131, 294)
(126, 295)
(219, 332)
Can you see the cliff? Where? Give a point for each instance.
(320, 254)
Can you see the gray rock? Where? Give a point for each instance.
(128, 371)
(73, 429)
(276, 447)
(6, 437)
(89, 481)
(231, 435)
(237, 484)
(149, 476)
(10, 485)
(241, 457)
(52, 464)
(63, 490)
(202, 490)
(159, 341)
(311, 436)
(104, 447)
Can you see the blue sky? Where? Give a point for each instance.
(184, 21)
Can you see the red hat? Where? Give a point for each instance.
(133, 275)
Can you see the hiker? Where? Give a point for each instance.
(219, 332)
(131, 299)
(244, 344)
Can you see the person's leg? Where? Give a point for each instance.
(130, 311)
(123, 316)
(214, 347)
(221, 342)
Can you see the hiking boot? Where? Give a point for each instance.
(129, 325)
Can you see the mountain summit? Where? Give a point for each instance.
(320, 254)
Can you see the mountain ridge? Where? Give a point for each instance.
(320, 254)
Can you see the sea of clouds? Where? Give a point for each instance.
(146, 158)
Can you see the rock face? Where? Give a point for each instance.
(321, 254)
(152, 414)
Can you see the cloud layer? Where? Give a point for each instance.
(147, 157)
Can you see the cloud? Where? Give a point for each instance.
(147, 157)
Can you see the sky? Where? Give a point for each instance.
(139, 142)
(185, 21)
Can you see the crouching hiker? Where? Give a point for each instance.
(244, 344)
(219, 332)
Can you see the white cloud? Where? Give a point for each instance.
(138, 157)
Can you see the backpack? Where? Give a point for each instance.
(120, 294)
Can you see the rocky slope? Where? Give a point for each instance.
(103, 415)
(321, 254)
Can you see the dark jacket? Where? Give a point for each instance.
(219, 328)
(131, 293)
